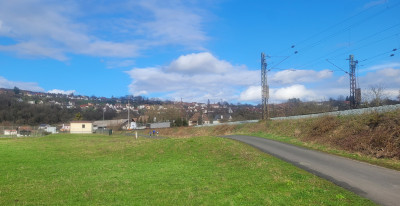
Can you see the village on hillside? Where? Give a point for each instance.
(24, 113)
(99, 113)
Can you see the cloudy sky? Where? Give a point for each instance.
(199, 50)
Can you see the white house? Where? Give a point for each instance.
(10, 132)
(51, 130)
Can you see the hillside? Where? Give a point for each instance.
(373, 136)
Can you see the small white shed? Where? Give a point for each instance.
(81, 127)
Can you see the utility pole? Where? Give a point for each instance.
(104, 110)
(264, 88)
(355, 93)
(129, 126)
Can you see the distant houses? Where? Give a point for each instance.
(19, 131)
(10, 132)
(198, 119)
(219, 118)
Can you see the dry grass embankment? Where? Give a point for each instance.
(371, 135)
(374, 134)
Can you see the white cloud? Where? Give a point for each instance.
(174, 22)
(59, 91)
(56, 29)
(381, 66)
(196, 82)
(389, 77)
(202, 76)
(31, 86)
(386, 75)
(32, 49)
(294, 91)
(200, 63)
(299, 76)
(252, 93)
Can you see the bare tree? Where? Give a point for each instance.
(376, 95)
(398, 97)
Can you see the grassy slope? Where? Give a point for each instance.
(373, 138)
(102, 170)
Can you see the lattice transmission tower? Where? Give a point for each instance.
(355, 93)
(264, 88)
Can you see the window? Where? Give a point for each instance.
(83, 126)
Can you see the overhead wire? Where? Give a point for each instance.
(335, 34)
(328, 28)
(342, 70)
(337, 66)
(378, 55)
(369, 44)
(349, 27)
(320, 58)
(365, 38)
(274, 67)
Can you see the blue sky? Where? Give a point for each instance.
(199, 50)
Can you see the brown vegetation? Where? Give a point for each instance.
(369, 134)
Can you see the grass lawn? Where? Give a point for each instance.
(69, 169)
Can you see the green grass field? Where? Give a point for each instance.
(118, 170)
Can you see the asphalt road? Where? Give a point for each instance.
(378, 184)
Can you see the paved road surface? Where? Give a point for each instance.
(378, 184)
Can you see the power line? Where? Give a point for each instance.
(349, 27)
(369, 44)
(272, 67)
(378, 55)
(351, 51)
(337, 66)
(327, 29)
(339, 32)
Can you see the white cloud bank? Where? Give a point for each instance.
(294, 84)
(253, 93)
(299, 76)
(59, 91)
(32, 86)
(46, 29)
(386, 76)
(202, 76)
(195, 77)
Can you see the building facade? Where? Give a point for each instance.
(81, 127)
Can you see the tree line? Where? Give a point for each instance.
(14, 111)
